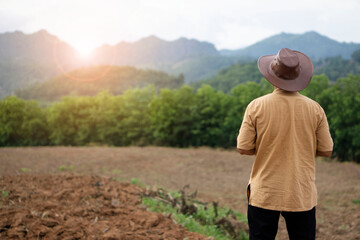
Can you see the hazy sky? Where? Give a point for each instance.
(228, 24)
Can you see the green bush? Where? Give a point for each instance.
(181, 117)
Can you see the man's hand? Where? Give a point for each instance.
(323, 154)
(246, 152)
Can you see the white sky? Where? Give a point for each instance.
(230, 24)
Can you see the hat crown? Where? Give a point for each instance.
(288, 58)
(286, 64)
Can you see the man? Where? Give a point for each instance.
(285, 130)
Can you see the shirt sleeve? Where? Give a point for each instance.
(246, 139)
(323, 138)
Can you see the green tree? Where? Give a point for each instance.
(71, 121)
(172, 115)
(356, 56)
(135, 123)
(107, 116)
(125, 119)
(211, 109)
(343, 114)
(316, 87)
(22, 123)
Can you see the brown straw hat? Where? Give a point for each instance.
(288, 70)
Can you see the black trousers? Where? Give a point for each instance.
(263, 224)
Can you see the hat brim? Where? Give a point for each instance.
(294, 85)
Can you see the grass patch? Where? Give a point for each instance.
(116, 171)
(356, 201)
(4, 193)
(344, 227)
(24, 170)
(137, 182)
(62, 168)
(71, 167)
(118, 179)
(213, 221)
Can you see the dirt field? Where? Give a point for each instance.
(80, 207)
(218, 175)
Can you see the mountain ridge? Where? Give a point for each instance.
(26, 59)
(312, 43)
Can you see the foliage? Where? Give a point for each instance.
(189, 222)
(344, 117)
(196, 216)
(137, 182)
(316, 87)
(22, 123)
(24, 170)
(72, 121)
(92, 80)
(336, 67)
(62, 168)
(4, 193)
(356, 56)
(341, 102)
(180, 117)
(229, 77)
(172, 116)
(211, 109)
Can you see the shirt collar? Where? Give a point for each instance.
(283, 92)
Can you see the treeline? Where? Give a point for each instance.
(90, 81)
(227, 78)
(337, 67)
(181, 117)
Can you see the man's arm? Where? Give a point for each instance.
(324, 140)
(246, 152)
(323, 154)
(247, 134)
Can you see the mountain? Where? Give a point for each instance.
(313, 44)
(18, 47)
(30, 58)
(26, 59)
(152, 51)
(89, 81)
(193, 58)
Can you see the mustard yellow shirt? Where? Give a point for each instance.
(285, 129)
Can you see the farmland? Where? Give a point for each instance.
(217, 175)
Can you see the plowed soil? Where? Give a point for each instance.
(61, 202)
(80, 207)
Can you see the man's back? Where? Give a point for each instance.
(286, 129)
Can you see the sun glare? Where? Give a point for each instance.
(84, 51)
